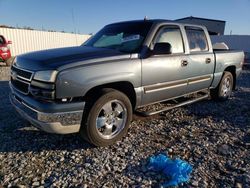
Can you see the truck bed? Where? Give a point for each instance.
(227, 59)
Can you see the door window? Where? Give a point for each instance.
(196, 39)
(171, 35)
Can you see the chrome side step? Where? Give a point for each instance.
(190, 101)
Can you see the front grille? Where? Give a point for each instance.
(20, 79)
(21, 86)
(24, 74)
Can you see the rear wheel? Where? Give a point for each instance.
(224, 90)
(107, 119)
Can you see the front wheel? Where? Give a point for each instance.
(224, 90)
(107, 119)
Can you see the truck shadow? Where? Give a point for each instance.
(21, 140)
(17, 135)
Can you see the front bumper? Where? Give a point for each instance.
(53, 122)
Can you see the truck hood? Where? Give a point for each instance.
(55, 59)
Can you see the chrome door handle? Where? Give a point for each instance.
(184, 63)
(208, 60)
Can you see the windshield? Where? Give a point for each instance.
(124, 37)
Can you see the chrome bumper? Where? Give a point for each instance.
(60, 123)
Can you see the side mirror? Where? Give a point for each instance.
(162, 48)
(9, 42)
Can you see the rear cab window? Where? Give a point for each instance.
(197, 39)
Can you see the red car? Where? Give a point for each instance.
(4, 49)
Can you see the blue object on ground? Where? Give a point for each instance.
(176, 169)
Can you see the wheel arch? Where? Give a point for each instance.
(232, 70)
(123, 86)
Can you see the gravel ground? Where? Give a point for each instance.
(214, 137)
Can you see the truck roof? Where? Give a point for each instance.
(155, 21)
(143, 21)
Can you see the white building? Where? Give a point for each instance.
(24, 40)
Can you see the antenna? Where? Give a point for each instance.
(73, 20)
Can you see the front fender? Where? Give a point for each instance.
(76, 82)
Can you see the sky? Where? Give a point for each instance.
(88, 16)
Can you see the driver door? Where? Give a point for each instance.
(164, 76)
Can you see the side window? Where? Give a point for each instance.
(171, 35)
(197, 39)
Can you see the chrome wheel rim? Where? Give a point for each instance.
(111, 119)
(226, 87)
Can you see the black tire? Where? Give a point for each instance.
(105, 109)
(224, 90)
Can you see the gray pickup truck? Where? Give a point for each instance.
(94, 88)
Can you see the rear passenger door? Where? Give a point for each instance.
(200, 60)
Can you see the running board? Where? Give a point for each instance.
(150, 113)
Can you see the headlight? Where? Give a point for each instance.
(46, 76)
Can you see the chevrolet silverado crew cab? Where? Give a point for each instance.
(94, 88)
